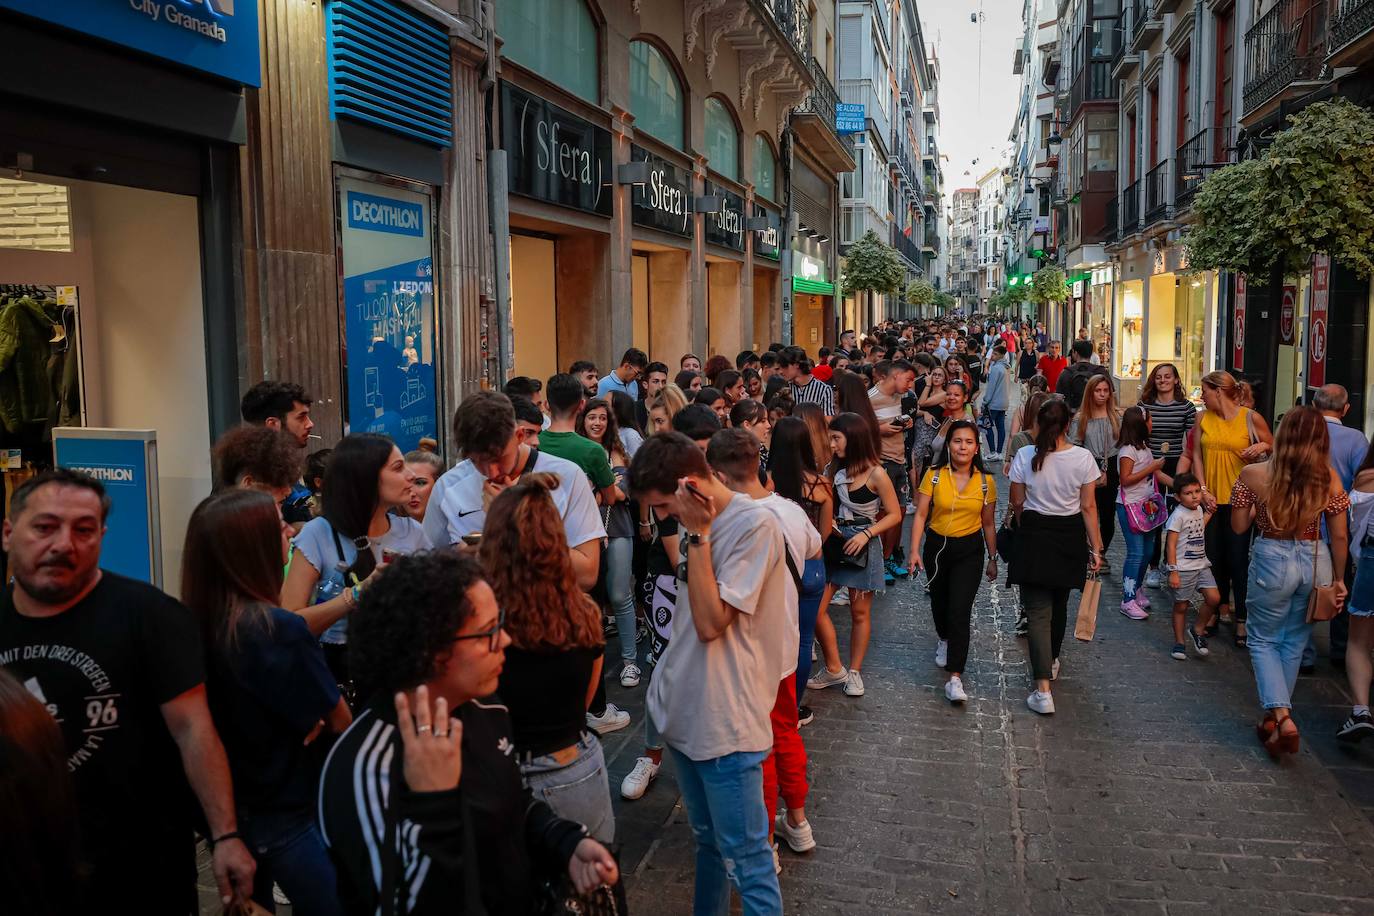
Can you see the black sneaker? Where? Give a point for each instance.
(1199, 642)
(805, 716)
(1022, 626)
(1357, 728)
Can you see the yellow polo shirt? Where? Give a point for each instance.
(955, 514)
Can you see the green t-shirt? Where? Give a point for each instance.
(583, 452)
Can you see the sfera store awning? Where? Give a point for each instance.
(817, 287)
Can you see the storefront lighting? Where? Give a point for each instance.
(635, 173)
(1013, 281)
(707, 203)
(822, 238)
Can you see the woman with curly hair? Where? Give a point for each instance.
(555, 659)
(421, 799)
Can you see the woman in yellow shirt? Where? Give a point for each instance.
(1229, 437)
(957, 500)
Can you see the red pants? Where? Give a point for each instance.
(784, 770)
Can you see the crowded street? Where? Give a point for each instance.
(686, 457)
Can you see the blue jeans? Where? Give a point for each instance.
(1280, 580)
(808, 609)
(724, 798)
(1137, 554)
(290, 852)
(999, 430)
(577, 790)
(620, 591)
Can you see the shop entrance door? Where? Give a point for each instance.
(534, 306)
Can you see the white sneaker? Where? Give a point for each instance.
(613, 719)
(854, 685)
(798, 838)
(910, 509)
(1152, 579)
(637, 781)
(841, 597)
(1042, 703)
(1054, 670)
(954, 690)
(941, 653)
(826, 678)
(629, 675)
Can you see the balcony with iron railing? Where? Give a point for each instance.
(1284, 53)
(906, 247)
(1352, 31)
(1094, 83)
(932, 242)
(792, 21)
(1157, 192)
(1146, 24)
(1111, 228)
(814, 121)
(1130, 208)
(1204, 152)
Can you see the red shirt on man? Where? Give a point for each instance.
(1050, 367)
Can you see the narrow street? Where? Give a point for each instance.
(1145, 793)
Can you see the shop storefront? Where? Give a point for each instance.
(729, 287)
(559, 175)
(767, 256)
(662, 242)
(121, 204)
(813, 295)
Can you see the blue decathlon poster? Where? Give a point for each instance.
(125, 461)
(389, 320)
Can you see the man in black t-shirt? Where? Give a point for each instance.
(119, 665)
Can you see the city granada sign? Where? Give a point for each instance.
(215, 36)
(554, 155)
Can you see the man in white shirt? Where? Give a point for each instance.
(494, 458)
(713, 690)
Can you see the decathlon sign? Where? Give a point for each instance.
(214, 36)
(385, 214)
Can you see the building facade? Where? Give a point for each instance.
(964, 283)
(990, 244)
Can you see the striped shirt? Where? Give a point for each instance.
(1169, 423)
(815, 392)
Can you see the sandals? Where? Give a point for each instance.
(1241, 639)
(1276, 740)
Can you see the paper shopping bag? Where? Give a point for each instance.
(1087, 609)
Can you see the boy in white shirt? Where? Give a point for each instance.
(1185, 556)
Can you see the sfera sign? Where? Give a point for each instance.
(662, 203)
(767, 242)
(725, 228)
(554, 155)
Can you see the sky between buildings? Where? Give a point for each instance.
(975, 115)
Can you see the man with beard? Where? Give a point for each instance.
(119, 665)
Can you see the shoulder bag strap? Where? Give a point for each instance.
(1250, 425)
(529, 463)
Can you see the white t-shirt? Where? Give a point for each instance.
(714, 698)
(461, 510)
(1054, 489)
(1142, 488)
(1191, 550)
(316, 544)
(802, 541)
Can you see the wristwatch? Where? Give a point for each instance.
(697, 540)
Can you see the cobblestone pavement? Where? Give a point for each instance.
(1146, 792)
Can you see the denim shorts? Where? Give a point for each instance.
(578, 790)
(1361, 603)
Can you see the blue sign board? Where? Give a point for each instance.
(849, 118)
(384, 214)
(216, 36)
(125, 461)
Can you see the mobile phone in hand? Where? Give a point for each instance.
(692, 488)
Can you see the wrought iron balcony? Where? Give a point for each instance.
(1111, 230)
(932, 242)
(906, 247)
(792, 21)
(1146, 24)
(1351, 21)
(1130, 209)
(1157, 192)
(1286, 45)
(1207, 150)
(815, 121)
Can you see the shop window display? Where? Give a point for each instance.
(1130, 326)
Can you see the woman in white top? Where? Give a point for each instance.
(1054, 502)
(1137, 468)
(1358, 669)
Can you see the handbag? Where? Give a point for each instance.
(1085, 627)
(1322, 603)
(559, 897)
(833, 548)
(1006, 535)
(1147, 514)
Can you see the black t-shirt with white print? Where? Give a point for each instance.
(103, 668)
